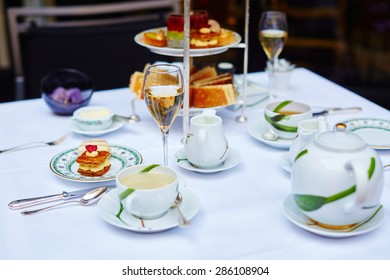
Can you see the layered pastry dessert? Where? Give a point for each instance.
(93, 157)
(175, 31)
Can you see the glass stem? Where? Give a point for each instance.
(165, 146)
(272, 80)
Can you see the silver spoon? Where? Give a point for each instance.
(87, 199)
(270, 135)
(183, 220)
(134, 117)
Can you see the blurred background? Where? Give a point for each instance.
(346, 41)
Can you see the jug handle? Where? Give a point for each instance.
(361, 178)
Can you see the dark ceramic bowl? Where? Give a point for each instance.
(66, 90)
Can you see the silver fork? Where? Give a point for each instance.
(32, 144)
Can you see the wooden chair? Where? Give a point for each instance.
(96, 39)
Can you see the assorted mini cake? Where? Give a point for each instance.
(93, 157)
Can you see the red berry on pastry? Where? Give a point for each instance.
(91, 148)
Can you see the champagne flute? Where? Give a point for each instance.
(163, 93)
(272, 35)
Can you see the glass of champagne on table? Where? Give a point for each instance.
(163, 93)
(272, 35)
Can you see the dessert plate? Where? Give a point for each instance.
(232, 160)
(296, 216)
(375, 132)
(108, 207)
(257, 129)
(179, 52)
(64, 164)
(72, 126)
(285, 162)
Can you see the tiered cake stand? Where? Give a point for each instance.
(188, 54)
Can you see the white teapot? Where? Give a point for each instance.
(337, 179)
(307, 130)
(206, 145)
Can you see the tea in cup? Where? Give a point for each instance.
(283, 117)
(206, 145)
(147, 191)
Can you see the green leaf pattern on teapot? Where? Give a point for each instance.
(312, 202)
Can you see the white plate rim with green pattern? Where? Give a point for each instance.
(64, 164)
(374, 131)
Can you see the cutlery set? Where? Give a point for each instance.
(83, 197)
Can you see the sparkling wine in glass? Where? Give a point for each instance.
(163, 93)
(273, 35)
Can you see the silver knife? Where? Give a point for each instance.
(337, 110)
(21, 203)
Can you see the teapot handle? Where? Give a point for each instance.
(361, 178)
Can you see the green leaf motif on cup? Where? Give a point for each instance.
(313, 202)
(282, 105)
(279, 126)
(129, 191)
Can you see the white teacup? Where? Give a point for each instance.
(206, 145)
(152, 193)
(283, 117)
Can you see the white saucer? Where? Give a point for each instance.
(108, 207)
(258, 128)
(285, 162)
(72, 126)
(296, 216)
(232, 160)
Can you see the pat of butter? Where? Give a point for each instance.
(94, 114)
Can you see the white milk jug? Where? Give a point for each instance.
(307, 130)
(206, 145)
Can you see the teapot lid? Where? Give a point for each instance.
(340, 139)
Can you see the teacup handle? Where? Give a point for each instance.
(361, 178)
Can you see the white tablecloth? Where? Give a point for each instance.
(241, 213)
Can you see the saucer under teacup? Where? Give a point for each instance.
(72, 126)
(296, 216)
(232, 160)
(109, 205)
(258, 128)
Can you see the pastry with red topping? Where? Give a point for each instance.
(94, 157)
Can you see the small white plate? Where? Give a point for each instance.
(232, 160)
(109, 206)
(72, 126)
(64, 164)
(375, 132)
(179, 52)
(257, 129)
(296, 216)
(285, 162)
